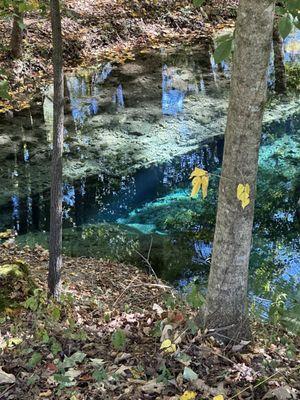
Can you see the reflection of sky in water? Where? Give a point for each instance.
(202, 252)
(26, 153)
(292, 47)
(85, 96)
(118, 97)
(16, 207)
(291, 259)
(104, 74)
(172, 99)
(291, 53)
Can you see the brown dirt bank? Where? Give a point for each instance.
(99, 30)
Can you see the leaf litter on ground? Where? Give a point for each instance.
(92, 347)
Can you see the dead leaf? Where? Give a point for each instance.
(48, 393)
(281, 393)
(158, 309)
(153, 387)
(6, 378)
(238, 347)
(166, 332)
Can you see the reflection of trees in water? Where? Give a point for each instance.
(98, 198)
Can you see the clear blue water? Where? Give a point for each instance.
(120, 207)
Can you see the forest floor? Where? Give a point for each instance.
(96, 31)
(104, 341)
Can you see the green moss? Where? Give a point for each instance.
(11, 271)
(293, 76)
(15, 283)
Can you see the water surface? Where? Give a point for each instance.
(133, 135)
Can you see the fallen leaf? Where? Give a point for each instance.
(6, 378)
(188, 395)
(153, 387)
(158, 309)
(166, 332)
(48, 393)
(168, 346)
(240, 346)
(189, 374)
(281, 393)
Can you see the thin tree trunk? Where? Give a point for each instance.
(16, 35)
(279, 66)
(55, 245)
(226, 303)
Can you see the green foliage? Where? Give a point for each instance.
(290, 317)
(118, 339)
(289, 14)
(56, 313)
(157, 330)
(293, 5)
(70, 362)
(63, 380)
(293, 76)
(99, 375)
(36, 302)
(66, 373)
(33, 379)
(8, 8)
(194, 298)
(55, 346)
(198, 3)
(34, 360)
(165, 375)
(224, 48)
(285, 25)
(4, 88)
(192, 326)
(281, 305)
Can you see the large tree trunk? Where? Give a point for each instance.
(55, 245)
(16, 35)
(279, 66)
(226, 305)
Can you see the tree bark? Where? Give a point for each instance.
(279, 66)
(16, 35)
(55, 245)
(226, 303)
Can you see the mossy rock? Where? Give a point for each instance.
(16, 284)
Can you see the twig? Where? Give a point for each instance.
(229, 179)
(6, 390)
(224, 357)
(153, 284)
(150, 248)
(147, 259)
